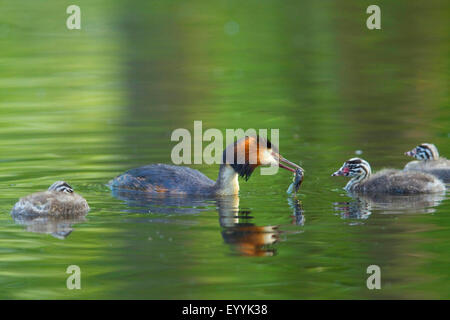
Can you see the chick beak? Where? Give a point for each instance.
(337, 173)
(411, 153)
(341, 172)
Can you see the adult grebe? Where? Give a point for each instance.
(429, 161)
(388, 180)
(252, 151)
(58, 200)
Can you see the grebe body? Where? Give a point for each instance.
(164, 178)
(58, 200)
(428, 160)
(239, 159)
(388, 181)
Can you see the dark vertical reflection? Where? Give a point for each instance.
(155, 60)
(155, 56)
(158, 78)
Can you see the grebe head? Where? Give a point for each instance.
(61, 186)
(425, 151)
(355, 167)
(252, 151)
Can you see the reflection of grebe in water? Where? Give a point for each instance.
(58, 226)
(357, 208)
(362, 206)
(298, 218)
(246, 238)
(161, 203)
(239, 159)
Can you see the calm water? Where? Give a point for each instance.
(86, 105)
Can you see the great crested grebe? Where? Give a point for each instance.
(388, 181)
(163, 178)
(429, 161)
(58, 200)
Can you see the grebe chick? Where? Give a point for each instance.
(429, 161)
(387, 181)
(239, 159)
(58, 200)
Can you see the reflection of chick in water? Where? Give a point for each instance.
(248, 239)
(355, 209)
(362, 205)
(58, 227)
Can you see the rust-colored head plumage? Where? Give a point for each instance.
(248, 153)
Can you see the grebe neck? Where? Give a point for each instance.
(227, 182)
(355, 181)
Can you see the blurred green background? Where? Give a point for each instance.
(85, 105)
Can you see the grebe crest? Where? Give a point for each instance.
(246, 154)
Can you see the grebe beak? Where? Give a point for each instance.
(411, 153)
(281, 159)
(341, 172)
(337, 173)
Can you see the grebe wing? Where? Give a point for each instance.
(402, 182)
(441, 173)
(162, 178)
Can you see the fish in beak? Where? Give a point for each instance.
(296, 169)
